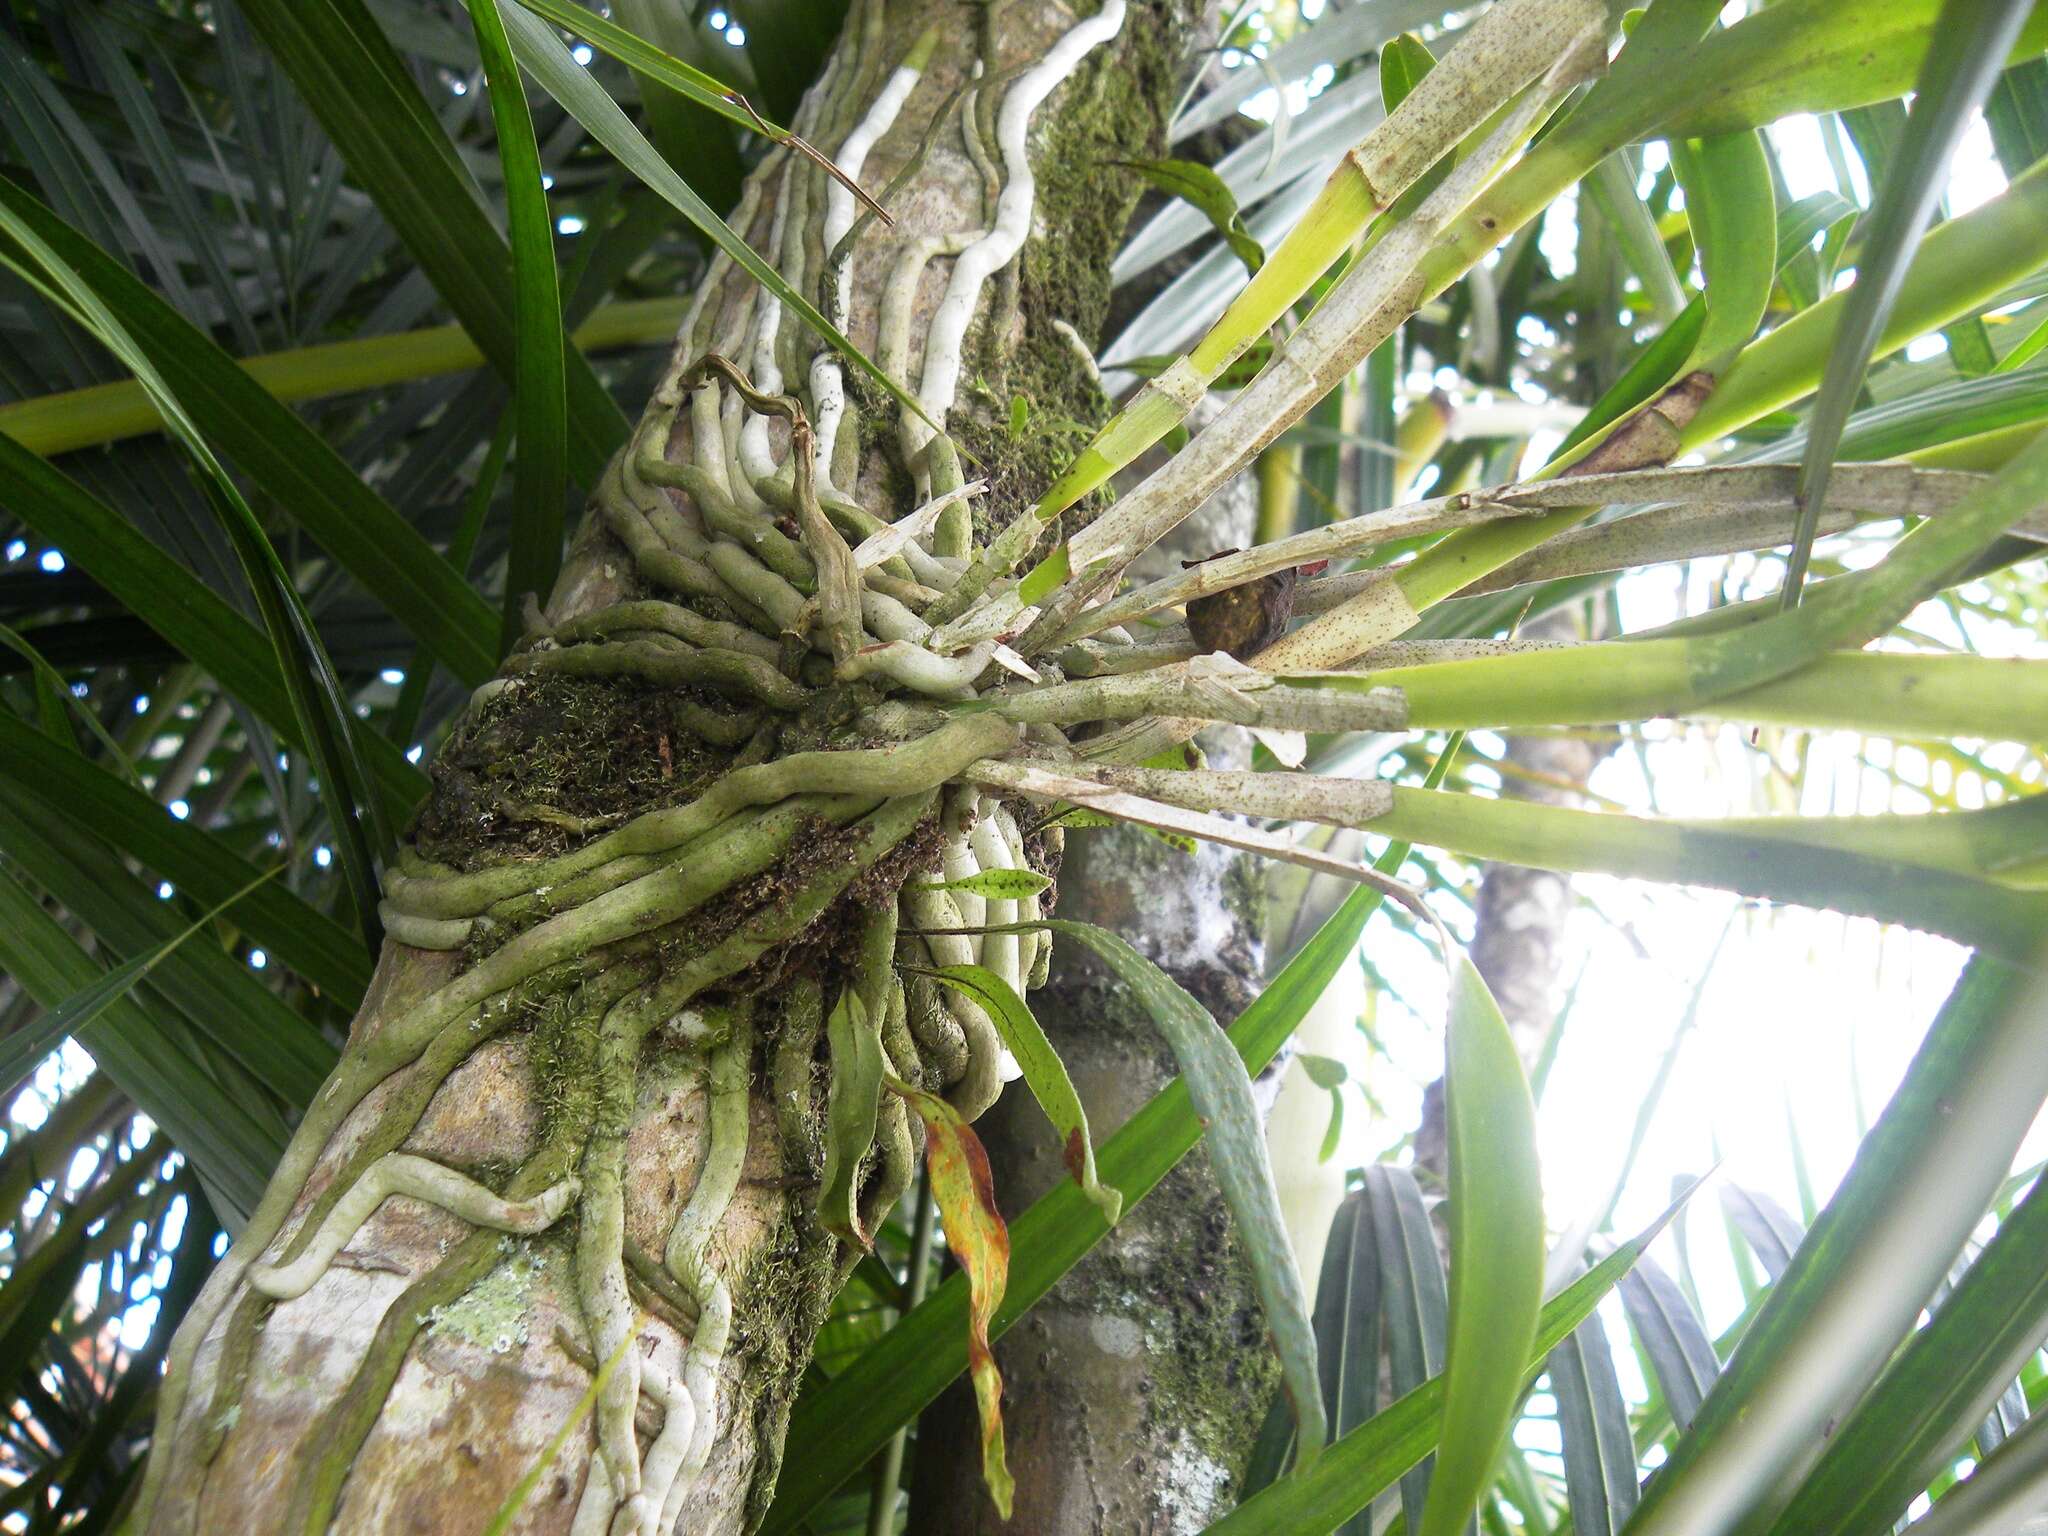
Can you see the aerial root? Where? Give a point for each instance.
(670, 662)
(941, 1041)
(920, 670)
(600, 1243)
(401, 1173)
(422, 890)
(651, 1499)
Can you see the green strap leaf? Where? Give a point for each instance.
(1348, 1305)
(1203, 190)
(1978, 35)
(1044, 1072)
(1733, 211)
(1945, 1380)
(1681, 1355)
(1819, 56)
(1363, 1464)
(1416, 1302)
(858, 1064)
(645, 59)
(1592, 1421)
(541, 472)
(1496, 1247)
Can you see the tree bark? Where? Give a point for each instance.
(431, 1360)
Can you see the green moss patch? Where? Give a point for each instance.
(549, 761)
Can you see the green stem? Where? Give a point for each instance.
(1862, 866)
(108, 413)
(1876, 693)
(889, 1472)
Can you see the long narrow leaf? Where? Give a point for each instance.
(1681, 1355)
(1977, 36)
(1044, 1073)
(1592, 1420)
(540, 471)
(646, 59)
(1221, 1091)
(1773, 1236)
(976, 1236)
(1357, 1468)
(1416, 1302)
(1348, 1322)
(1497, 1246)
(1728, 198)
(1946, 1378)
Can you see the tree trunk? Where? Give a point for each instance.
(597, 1092)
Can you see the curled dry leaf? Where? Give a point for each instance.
(976, 1235)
